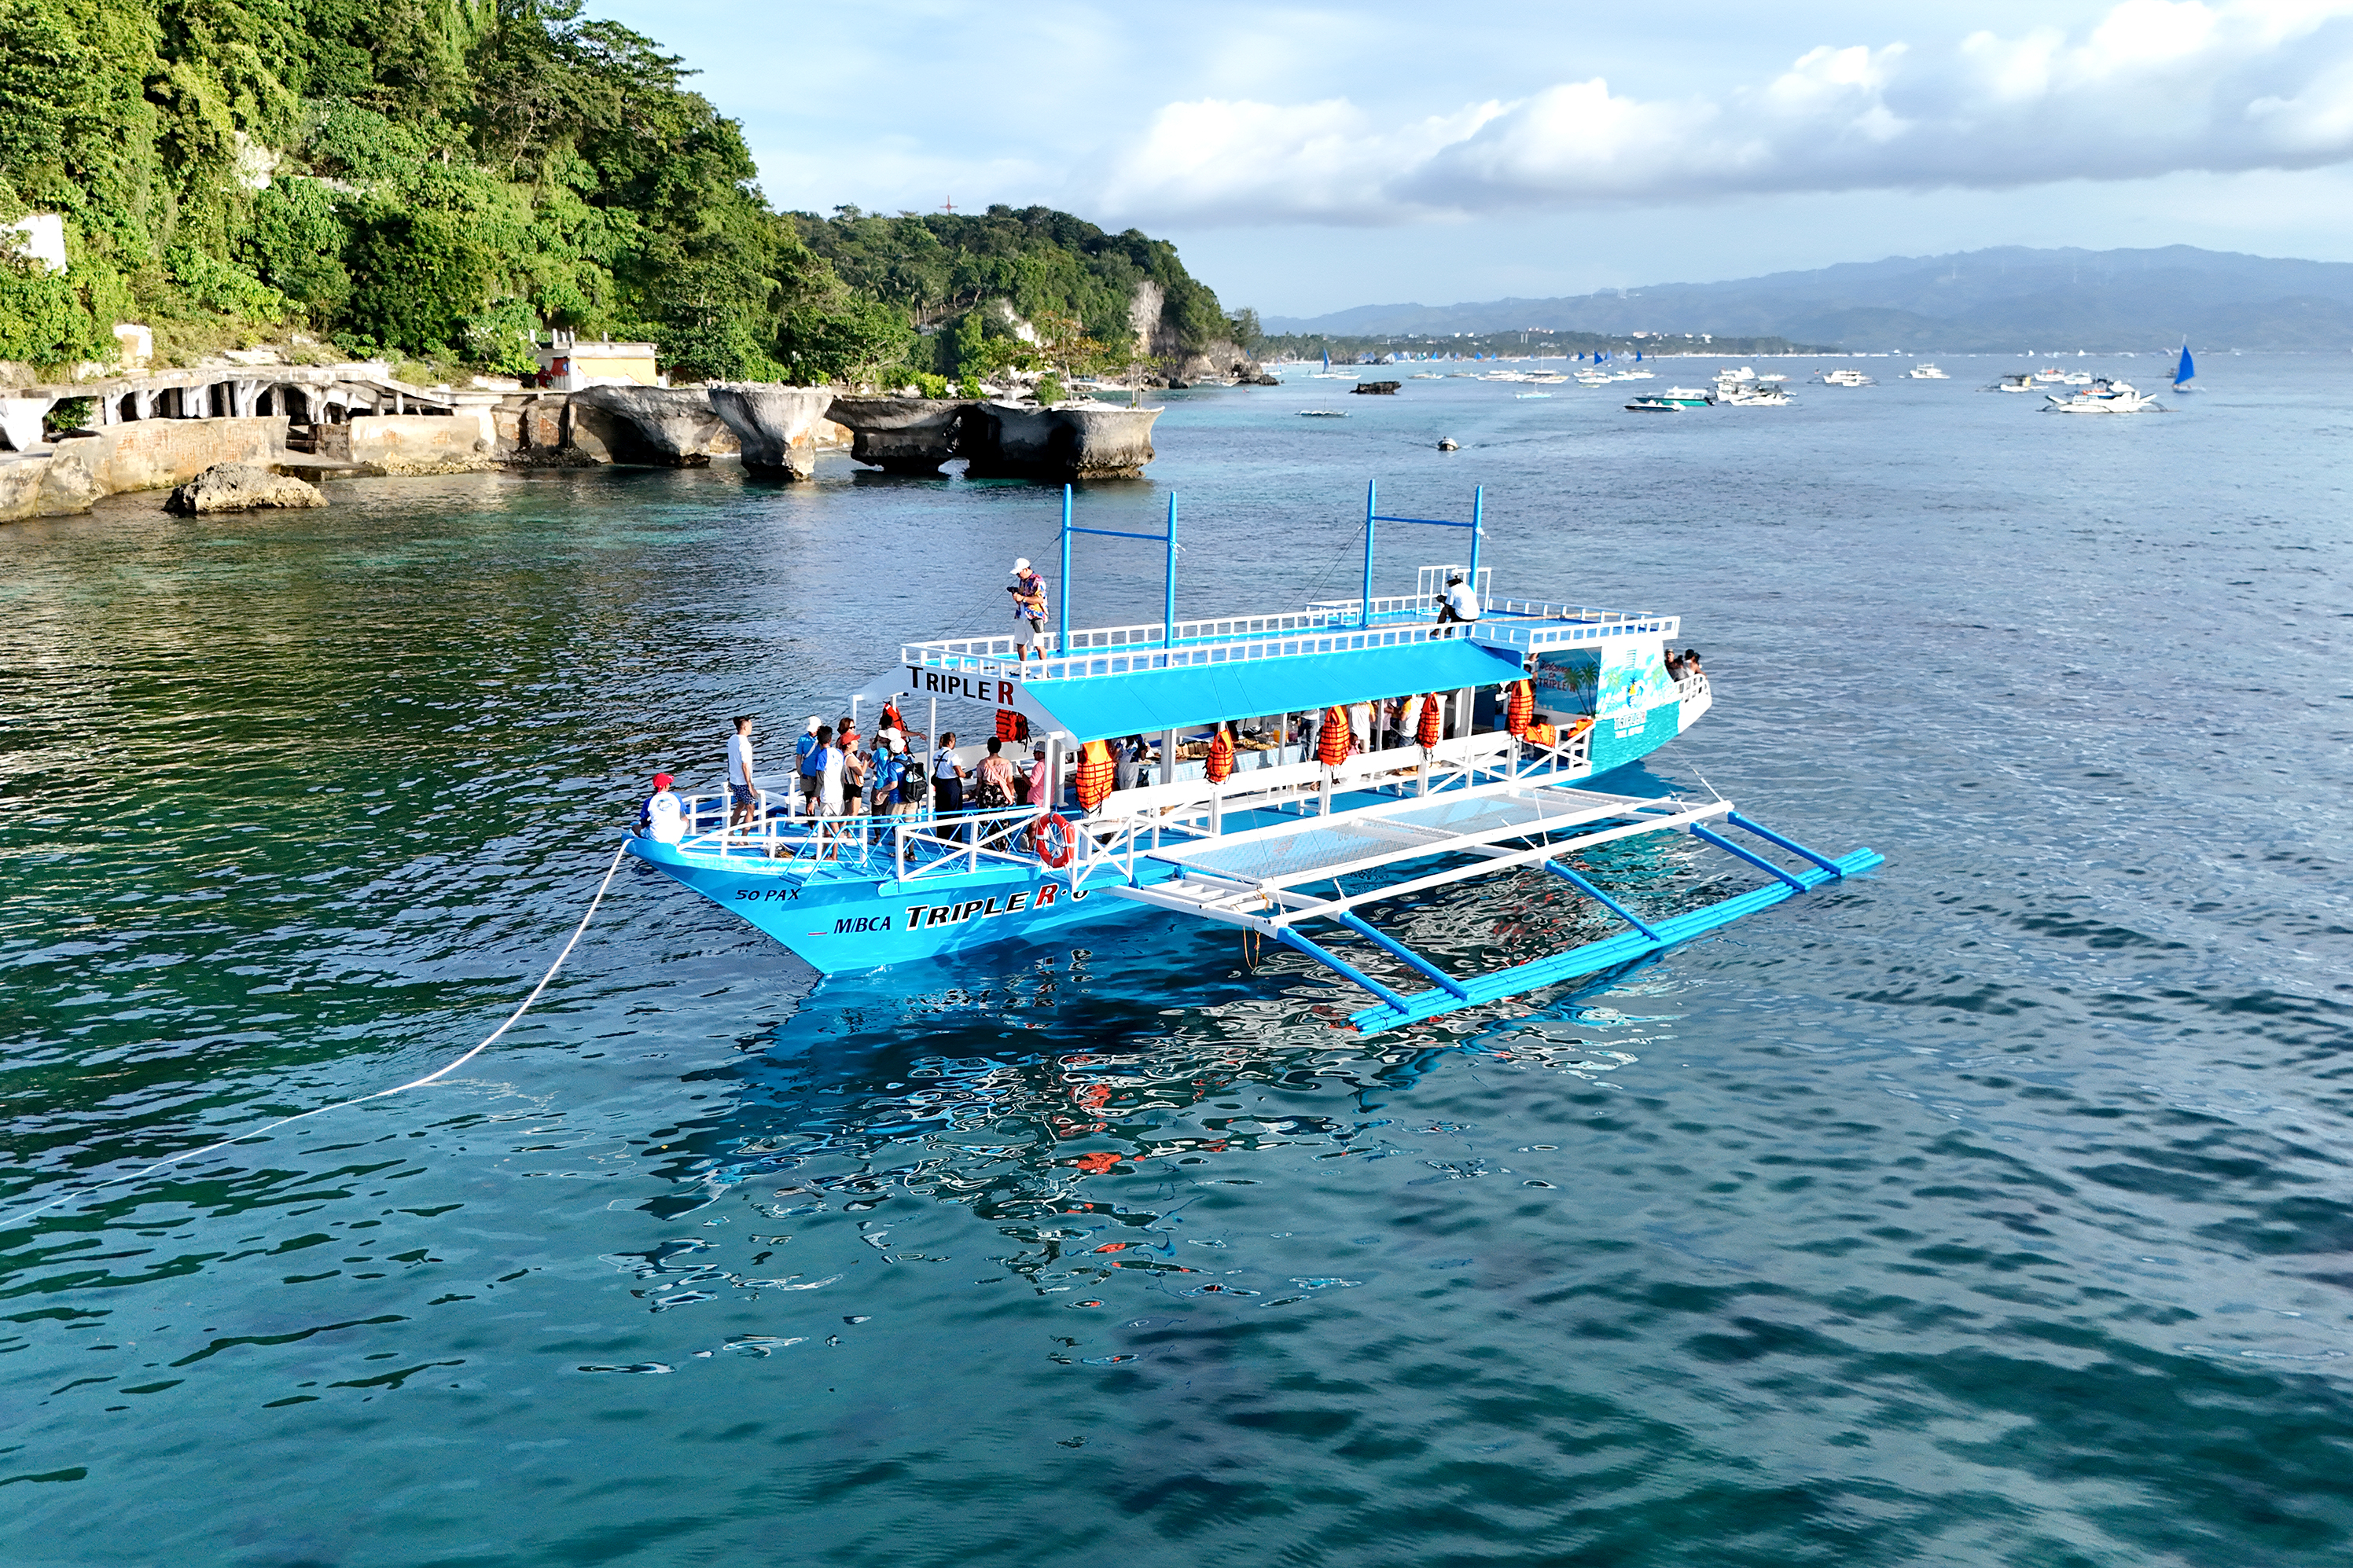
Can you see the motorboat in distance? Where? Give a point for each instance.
(1926, 372)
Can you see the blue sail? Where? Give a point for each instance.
(2184, 372)
(1327, 359)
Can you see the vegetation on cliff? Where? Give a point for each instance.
(442, 178)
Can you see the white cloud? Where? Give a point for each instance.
(2155, 86)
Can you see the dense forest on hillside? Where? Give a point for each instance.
(442, 178)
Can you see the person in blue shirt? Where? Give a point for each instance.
(883, 776)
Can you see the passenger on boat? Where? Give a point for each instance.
(1691, 662)
(742, 800)
(1039, 781)
(802, 747)
(815, 764)
(1459, 602)
(1360, 724)
(1128, 762)
(1029, 591)
(661, 818)
(993, 791)
(1674, 665)
(884, 776)
(857, 767)
(1395, 717)
(947, 778)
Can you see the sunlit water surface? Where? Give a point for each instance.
(1993, 1209)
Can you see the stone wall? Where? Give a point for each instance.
(414, 443)
(146, 455)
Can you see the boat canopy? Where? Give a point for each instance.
(1145, 701)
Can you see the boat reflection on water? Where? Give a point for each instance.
(1079, 1145)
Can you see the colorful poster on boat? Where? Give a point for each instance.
(1633, 680)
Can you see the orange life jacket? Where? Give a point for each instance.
(1096, 773)
(1220, 765)
(1433, 724)
(1520, 708)
(1541, 735)
(1009, 724)
(1332, 745)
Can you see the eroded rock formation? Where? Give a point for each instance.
(671, 427)
(241, 486)
(776, 426)
(902, 435)
(1082, 441)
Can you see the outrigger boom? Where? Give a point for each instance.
(1291, 841)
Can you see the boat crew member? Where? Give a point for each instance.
(1459, 602)
(661, 818)
(1029, 591)
(743, 801)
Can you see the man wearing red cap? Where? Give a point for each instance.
(661, 818)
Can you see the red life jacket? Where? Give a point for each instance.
(1433, 724)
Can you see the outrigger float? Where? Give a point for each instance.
(1295, 842)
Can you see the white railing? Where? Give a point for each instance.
(1128, 824)
(1326, 627)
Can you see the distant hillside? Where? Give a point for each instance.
(2006, 298)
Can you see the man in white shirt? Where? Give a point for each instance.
(742, 800)
(1459, 602)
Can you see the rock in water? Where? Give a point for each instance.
(776, 425)
(663, 427)
(902, 435)
(241, 486)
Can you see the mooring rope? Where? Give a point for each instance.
(487, 1040)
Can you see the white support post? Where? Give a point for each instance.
(1167, 756)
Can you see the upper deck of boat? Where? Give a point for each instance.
(1329, 627)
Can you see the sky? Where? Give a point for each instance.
(1306, 159)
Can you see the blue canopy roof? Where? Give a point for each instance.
(1146, 702)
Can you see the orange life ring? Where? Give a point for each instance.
(1052, 834)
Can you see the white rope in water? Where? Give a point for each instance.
(442, 1072)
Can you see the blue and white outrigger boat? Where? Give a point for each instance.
(1299, 850)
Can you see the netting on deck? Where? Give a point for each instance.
(1320, 845)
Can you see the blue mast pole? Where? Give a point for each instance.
(1372, 491)
(1169, 597)
(1478, 511)
(1062, 638)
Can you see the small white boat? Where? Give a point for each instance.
(1655, 405)
(1322, 414)
(1844, 378)
(1448, 444)
(1591, 378)
(2016, 380)
(2050, 372)
(1927, 372)
(1760, 397)
(2104, 396)
(1524, 396)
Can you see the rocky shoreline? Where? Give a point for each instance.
(354, 419)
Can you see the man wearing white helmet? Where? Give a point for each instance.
(1029, 591)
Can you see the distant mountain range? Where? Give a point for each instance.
(2009, 299)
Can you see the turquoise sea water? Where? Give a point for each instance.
(1991, 1210)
